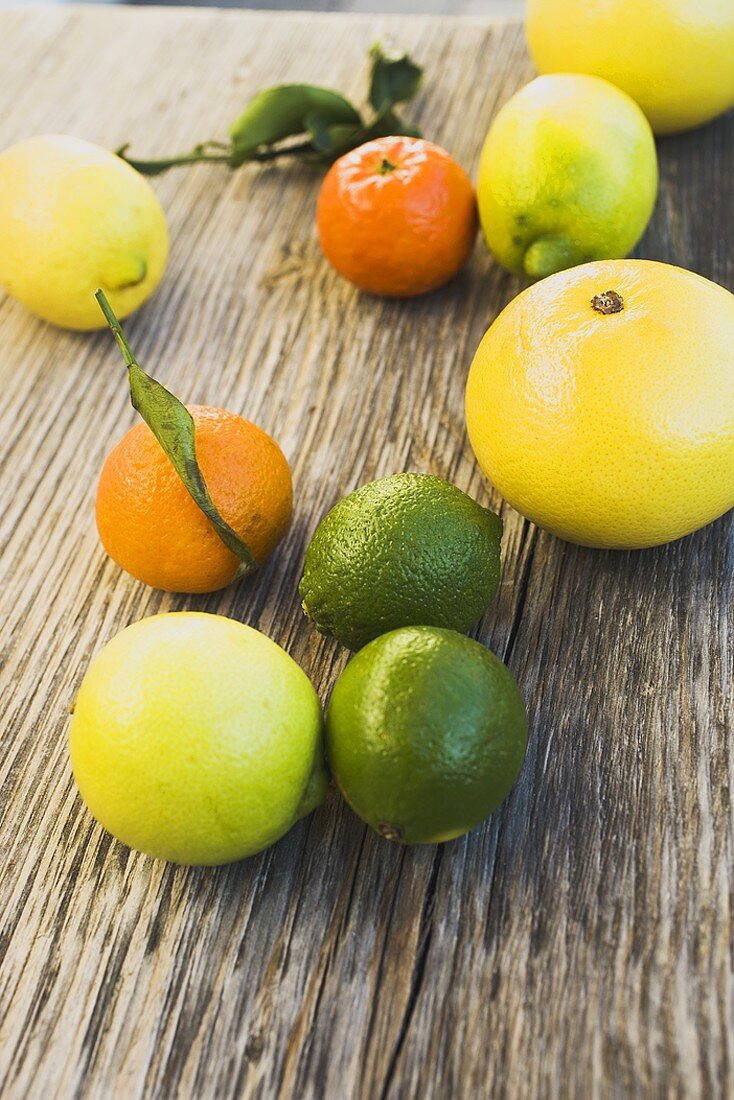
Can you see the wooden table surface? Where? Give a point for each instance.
(580, 943)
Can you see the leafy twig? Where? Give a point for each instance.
(326, 124)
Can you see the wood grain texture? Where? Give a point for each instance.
(579, 945)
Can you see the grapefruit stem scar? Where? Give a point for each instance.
(608, 302)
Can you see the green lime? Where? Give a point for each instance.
(425, 734)
(197, 739)
(568, 173)
(407, 550)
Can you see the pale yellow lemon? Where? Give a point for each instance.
(674, 57)
(74, 218)
(197, 739)
(601, 403)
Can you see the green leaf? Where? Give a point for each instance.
(281, 112)
(319, 128)
(388, 123)
(333, 140)
(395, 78)
(173, 426)
(344, 138)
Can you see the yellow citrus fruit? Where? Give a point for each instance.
(197, 739)
(73, 218)
(568, 174)
(601, 403)
(674, 57)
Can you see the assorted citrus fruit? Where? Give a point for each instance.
(150, 525)
(674, 57)
(601, 403)
(397, 216)
(197, 739)
(405, 550)
(568, 173)
(425, 734)
(74, 216)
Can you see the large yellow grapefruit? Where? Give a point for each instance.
(601, 403)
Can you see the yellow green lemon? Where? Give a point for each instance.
(197, 739)
(568, 174)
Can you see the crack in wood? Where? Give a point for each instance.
(418, 972)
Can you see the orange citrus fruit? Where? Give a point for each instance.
(601, 403)
(153, 529)
(397, 216)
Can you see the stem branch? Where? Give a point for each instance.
(117, 332)
(214, 152)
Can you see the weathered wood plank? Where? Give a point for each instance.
(579, 945)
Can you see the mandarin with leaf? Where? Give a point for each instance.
(153, 528)
(195, 497)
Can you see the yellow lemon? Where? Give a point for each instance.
(601, 403)
(674, 57)
(568, 173)
(197, 739)
(73, 218)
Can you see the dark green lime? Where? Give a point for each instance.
(407, 550)
(425, 734)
